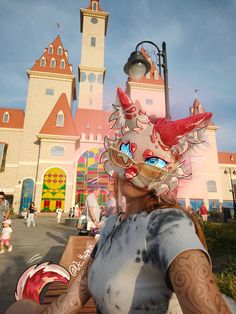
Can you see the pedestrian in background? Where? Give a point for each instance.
(111, 205)
(93, 210)
(31, 214)
(59, 213)
(6, 236)
(203, 211)
(4, 209)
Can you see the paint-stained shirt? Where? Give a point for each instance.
(128, 274)
(4, 207)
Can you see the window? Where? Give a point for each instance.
(92, 77)
(43, 62)
(94, 20)
(49, 91)
(6, 117)
(196, 203)
(94, 6)
(3, 153)
(57, 151)
(149, 102)
(59, 50)
(156, 75)
(90, 102)
(181, 202)
(53, 63)
(62, 64)
(60, 119)
(214, 205)
(211, 186)
(93, 41)
(83, 77)
(50, 50)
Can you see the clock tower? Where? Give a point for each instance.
(93, 26)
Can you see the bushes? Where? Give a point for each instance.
(221, 241)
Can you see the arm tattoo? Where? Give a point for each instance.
(194, 284)
(75, 297)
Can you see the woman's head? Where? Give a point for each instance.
(2, 197)
(149, 154)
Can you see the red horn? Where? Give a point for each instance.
(124, 98)
(172, 131)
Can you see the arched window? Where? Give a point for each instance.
(59, 50)
(211, 186)
(52, 63)
(6, 117)
(62, 64)
(60, 119)
(156, 75)
(57, 151)
(42, 62)
(94, 6)
(50, 49)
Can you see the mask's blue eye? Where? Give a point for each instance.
(155, 161)
(125, 149)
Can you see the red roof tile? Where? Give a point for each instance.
(92, 121)
(227, 158)
(152, 79)
(67, 69)
(16, 118)
(50, 126)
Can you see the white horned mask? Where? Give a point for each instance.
(150, 154)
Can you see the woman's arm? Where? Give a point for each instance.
(194, 284)
(75, 297)
(68, 303)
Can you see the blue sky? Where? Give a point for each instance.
(200, 42)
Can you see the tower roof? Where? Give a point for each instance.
(54, 59)
(67, 127)
(198, 108)
(153, 77)
(15, 120)
(90, 7)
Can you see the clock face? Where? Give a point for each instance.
(94, 20)
(83, 77)
(91, 77)
(100, 78)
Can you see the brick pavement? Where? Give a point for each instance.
(47, 239)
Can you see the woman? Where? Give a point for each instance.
(152, 258)
(31, 214)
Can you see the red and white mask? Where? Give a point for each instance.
(150, 154)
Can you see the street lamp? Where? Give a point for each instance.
(231, 172)
(137, 66)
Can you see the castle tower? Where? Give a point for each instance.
(149, 90)
(93, 26)
(50, 76)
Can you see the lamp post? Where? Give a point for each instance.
(137, 66)
(231, 172)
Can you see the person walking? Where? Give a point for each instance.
(111, 205)
(59, 213)
(93, 209)
(31, 214)
(4, 209)
(203, 211)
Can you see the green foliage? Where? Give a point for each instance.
(221, 242)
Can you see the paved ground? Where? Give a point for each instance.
(47, 238)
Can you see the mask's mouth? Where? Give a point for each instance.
(131, 172)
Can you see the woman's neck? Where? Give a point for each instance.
(134, 206)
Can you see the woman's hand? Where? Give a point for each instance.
(68, 303)
(194, 284)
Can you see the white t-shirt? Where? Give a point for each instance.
(128, 274)
(91, 201)
(6, 233)
(59, 211)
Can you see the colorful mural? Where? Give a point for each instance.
(90, 173)
(26, 194)
(54, 188)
